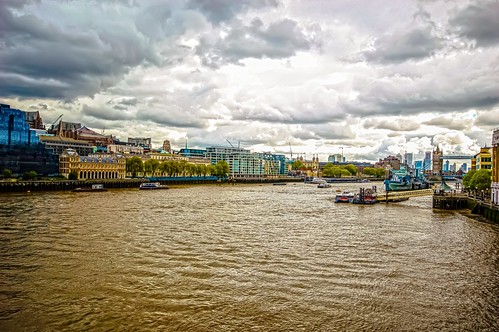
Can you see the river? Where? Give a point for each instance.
(242, 258)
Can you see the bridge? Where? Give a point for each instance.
(456, 157)
(396, 196)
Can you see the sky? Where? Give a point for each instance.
(364, 78)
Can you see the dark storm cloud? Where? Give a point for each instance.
(413, 44)
(218, 11)
(41, 59)
(178, 119)
(437, 91)
(488, 119)
(106, 113)
(123, 101)
(479, 22)
(279, 39)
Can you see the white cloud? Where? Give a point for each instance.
(375, 79)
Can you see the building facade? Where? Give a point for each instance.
(20, 148)
(483, 159)
(129, 149)
(436, 164)
(495, 167)
(167, 146)
(390, 162)
(34, 120)
(244, 163)
(141, 141)
(91, 167)
(57, 144)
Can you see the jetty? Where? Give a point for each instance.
(397, 196)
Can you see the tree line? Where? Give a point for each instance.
(333, 170)
(154, 167)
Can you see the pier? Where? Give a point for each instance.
(450, 201)
(396, 196)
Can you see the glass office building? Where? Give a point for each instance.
(14, 130)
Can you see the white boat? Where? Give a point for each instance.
(324, 184)
(95, 187)
(317, 180)
(344, 197)
(152, 186)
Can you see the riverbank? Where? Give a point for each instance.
(58, 185)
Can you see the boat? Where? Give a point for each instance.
(344, 197)
(95, 187)
(279, 183)
(400, 180)
(365, 196)
(324, 184)
(317, 180)
(152, 186)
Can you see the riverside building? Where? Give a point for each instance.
(94, 166)
(483, 159)
(20, 148)
(495, 166)
(244, 163)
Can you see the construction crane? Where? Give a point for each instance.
(52, 126)
(290, 151)
(229, 143)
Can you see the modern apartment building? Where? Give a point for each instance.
(244, 163)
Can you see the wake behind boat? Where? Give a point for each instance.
(152, 186)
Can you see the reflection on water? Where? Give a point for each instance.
(237, 258)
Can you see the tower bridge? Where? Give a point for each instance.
(455, 157)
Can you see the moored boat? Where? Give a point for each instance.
(344, 197)
(324, 184)
(365, 196)
(401, 180)
(95, 187)
(152, 186)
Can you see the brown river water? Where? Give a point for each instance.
(242, 258)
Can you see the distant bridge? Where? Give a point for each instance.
(456, 157)
(395, 196)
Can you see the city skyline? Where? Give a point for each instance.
(311, 77)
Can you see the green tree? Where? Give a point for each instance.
(151, 166)
(7, 173)
(481, 180)
(31, 175)
(297, 164)
(222, 168)
(331, 170)
(467, 179)
(134, 165)
(351, 169)
(73, 175)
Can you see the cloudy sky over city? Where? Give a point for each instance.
(366, 78)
